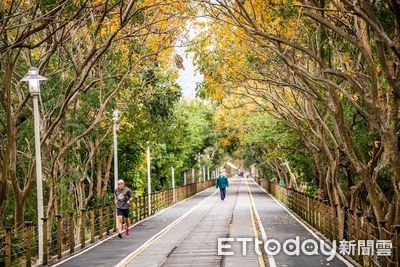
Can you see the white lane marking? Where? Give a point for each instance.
(271, 259)
(133, 225)
(327, 246)
(260, 258)
(155, 237)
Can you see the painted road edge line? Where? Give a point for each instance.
(115, 234)
(260, 258)
(271, 259)
(340, 257)
(155, 237)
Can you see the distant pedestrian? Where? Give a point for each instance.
(222, 183)
(123, 198)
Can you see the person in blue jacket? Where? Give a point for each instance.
(222, 183)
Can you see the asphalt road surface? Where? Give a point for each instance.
(188, 234)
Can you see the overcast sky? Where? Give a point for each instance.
(188, 78)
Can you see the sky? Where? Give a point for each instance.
(189, 77)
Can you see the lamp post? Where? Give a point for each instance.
(184, 178)
(33, 78)
(192, 175)
(173, 183)
(200, 174)
(148, 179)
(116, 114)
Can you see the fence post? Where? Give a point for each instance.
(350, 224)
(135, 200)
(382, 226)
(384, 235)
(107, 221)
(115, 218)
(369, 234)
(83, 224)
(336, 220)
(153, 202)
(45, 242)
(140, 207)
(146, 208)
(28, 236)
(8, 246)
(92, 226)
(397, 242)
(59, 236)
(319, 213)
(71, 235)
(101, 226)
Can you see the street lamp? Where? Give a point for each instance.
(116, 114)
(33, 78)
(173, 184)
(148, 178)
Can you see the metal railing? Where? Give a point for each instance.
(64, 234)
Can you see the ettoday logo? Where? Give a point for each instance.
(309, 247)
(272, 247)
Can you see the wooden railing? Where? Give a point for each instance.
(340, 223)
(67, 233)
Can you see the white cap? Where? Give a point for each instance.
(120, 181)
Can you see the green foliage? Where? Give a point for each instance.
(270, 139)
(176, 134)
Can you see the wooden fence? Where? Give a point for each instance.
(67, 233)
(342, 224)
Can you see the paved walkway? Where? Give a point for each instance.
(187, 234)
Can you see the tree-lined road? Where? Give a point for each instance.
(187, 233)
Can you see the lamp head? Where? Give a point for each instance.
(33, 78)
(116, 113)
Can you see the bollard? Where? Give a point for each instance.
(28, 236)
(92, 230)
(101, 226)
(8, 246)
(71, 234)
(83, 224)
(45, 242)
(59, 236)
